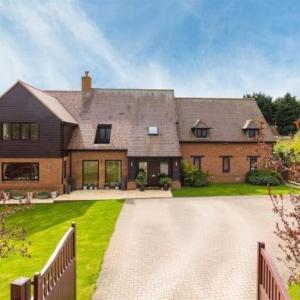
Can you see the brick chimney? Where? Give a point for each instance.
(86, 82)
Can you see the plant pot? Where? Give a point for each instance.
(117, 187)
(91, 188)
(106, 187)
(54, 195)
(29, 196)
(84, 187)
(18, 197)
(142, 188)
(166, 187)
(6, 196)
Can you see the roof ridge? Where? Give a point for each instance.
(213, 98)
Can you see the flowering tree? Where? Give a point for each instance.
(287, 209)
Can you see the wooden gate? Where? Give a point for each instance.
(269, 283)
(57, 280)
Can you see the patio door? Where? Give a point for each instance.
(90, 173)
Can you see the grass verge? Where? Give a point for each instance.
(46, 224)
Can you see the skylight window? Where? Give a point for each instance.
(153, 130)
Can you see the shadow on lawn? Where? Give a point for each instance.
(42, 216)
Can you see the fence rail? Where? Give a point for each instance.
(57, 280)
(269, 283)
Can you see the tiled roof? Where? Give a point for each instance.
(250, 124)
(200, 124)
(130, 112)
(226, 118)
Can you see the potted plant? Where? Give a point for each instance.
(141, 180)
(42, 195)
(91, 186)
(165, 182)
(117, 186)
(54, 195)
(106, 186)
(85, 187)
(18, 196)
(6, 194)
(29, 195)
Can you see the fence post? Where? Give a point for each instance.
(74, 251)
(20, 289)
(259, 267)
(37, 287)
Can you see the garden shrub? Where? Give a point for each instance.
(192, 176)
(264, 177)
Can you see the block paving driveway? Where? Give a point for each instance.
(187, 248)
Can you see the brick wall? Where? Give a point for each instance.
(212, 162)
(78, 156)
(50, 175)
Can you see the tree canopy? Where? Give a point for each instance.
(282, 112)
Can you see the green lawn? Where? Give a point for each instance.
(229, 189)
(46, 224)
(294, 292)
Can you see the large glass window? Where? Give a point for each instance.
(90, 172)
(20, 131)
(103, 134)
(164, 168)
(112, 171)
(20, 171)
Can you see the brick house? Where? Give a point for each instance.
(97, 136)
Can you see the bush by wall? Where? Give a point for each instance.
(193, 177)
(264, 177)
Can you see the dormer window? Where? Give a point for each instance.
(153, 130)
(252, 133)
(200, 129)
(201, 133)
(251, 129)
(103, 134)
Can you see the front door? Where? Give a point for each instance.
(153, 173)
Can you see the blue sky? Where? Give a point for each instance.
(197, 47)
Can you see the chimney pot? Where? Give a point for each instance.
(86, 82)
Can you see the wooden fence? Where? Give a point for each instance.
(57, 280)
(269, 283)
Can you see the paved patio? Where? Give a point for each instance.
(113, 194)
(187, 248)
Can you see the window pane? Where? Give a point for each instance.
(103, 134)
(20, 171)
(143, 165)
(197, 162)
(164, 168)
(90, 172)
(24, 131)
(15, 131)
(6, 131)
(226, 164)
(34, 172)
(34, 131)
(253, 162)
(112, 171)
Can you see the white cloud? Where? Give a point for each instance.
(50, 44)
